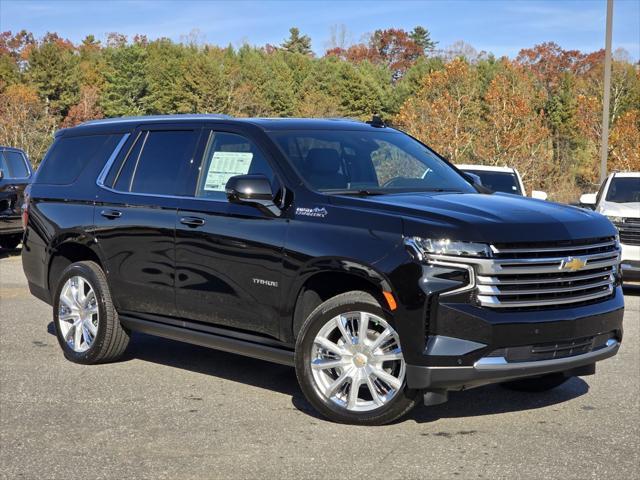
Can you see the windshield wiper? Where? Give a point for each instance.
(440, 190)
(362, 193)
(367, 193)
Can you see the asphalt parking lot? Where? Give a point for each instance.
(171, 410)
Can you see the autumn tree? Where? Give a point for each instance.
(395, 49)
(445, 112)
(625, 97)
(624, 152)
(24, 121)
(86, 109)
(512, 131)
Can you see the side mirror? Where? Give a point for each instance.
(1, 174)
(588, 200)
(254, 190)
(539, 194)
(473, 178)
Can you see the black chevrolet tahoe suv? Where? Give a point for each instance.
(346, 249)
(15, 175)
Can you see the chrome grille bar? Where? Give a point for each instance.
(493, 290)
(559, 278)
(570, 248)
(494, 302)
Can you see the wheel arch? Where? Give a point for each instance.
(328, 278)
(67, 252)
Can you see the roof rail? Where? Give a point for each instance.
(178, 116)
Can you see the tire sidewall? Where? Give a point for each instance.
(82, 270)
(402, 401)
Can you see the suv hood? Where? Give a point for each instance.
(613, 209)
(493, 218)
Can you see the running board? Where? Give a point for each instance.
(211, 340)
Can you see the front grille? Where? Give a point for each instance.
(546, 276)
(553, 350)
(629, 229)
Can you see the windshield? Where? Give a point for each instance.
(624, 190)
(384, 161)
(498, 181)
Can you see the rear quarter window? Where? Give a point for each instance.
(68, 157)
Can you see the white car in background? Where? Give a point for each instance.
(619, 199)
(501, 179)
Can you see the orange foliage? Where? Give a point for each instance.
(624, 151)
(24, 121)
(513, 131)
(445, 111)
(86, 109)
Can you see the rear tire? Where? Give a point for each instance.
(10, 241)
(86, 322)
(537, 384)
(369, 358)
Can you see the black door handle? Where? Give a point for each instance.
(192, 221)
(111, 214)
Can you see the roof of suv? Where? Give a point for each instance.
(264, 123)
(626, 174)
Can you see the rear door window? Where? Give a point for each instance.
(155, 163)
(13, 164)
(68, 156)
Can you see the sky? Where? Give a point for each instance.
(502, 27)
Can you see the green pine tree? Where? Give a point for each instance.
(296, 43)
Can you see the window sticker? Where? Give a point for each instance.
(225, 165)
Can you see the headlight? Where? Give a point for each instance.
(446, 246)
(615, 219)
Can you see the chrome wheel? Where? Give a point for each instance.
(78, 314)
(357, 362)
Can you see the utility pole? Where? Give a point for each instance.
(604, 146)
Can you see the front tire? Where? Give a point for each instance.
(537, 384)
(349, 362)
(85, 319)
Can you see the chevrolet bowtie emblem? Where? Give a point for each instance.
(572, 264)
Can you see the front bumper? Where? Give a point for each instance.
(630, 262)
(495, 370)
(462, 341)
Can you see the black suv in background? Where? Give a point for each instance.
(15, 175)
(349, 250)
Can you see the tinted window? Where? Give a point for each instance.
(155, 163)
(228, 155)
(624, 190)
(382, 161)
(499, 181)
(13, 164)
(68, 156)
(124, 173)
